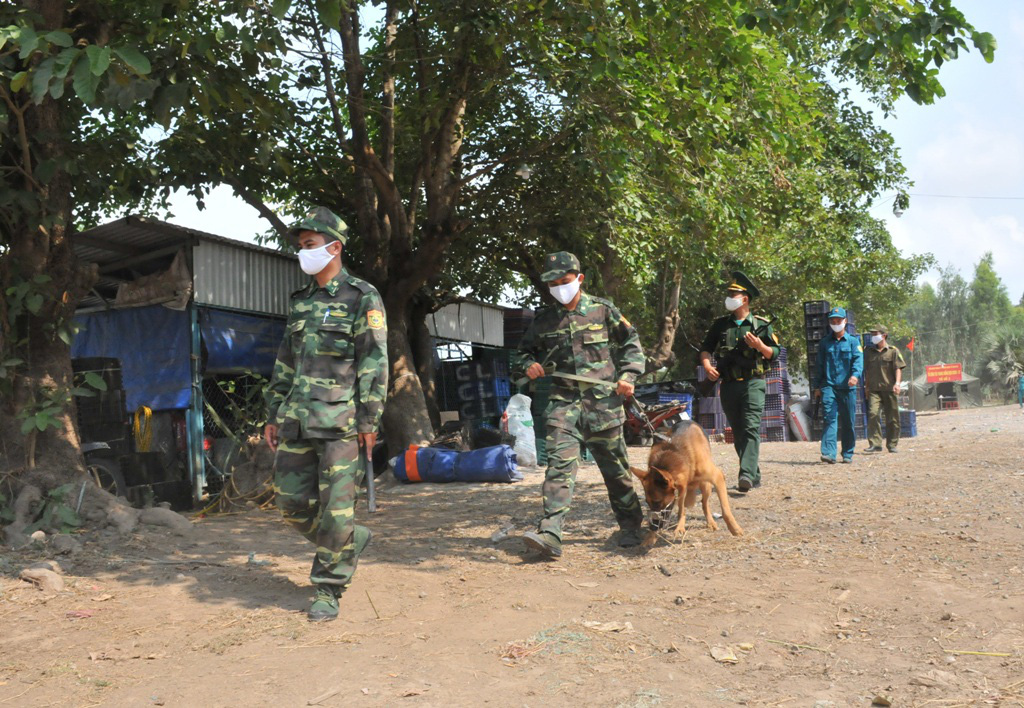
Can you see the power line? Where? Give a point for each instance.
(966, 326)
(964, 196)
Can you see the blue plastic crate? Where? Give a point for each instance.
(502, 387)
(675, 398)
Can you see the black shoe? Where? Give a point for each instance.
(744, 485)
(629, 538)
(546, 543)
(892, 450)
(874, 448)
(829, 460)
(847, 460)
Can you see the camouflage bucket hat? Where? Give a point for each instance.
(557, 265)
(323, 221)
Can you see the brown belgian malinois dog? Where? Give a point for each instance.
(675, 471)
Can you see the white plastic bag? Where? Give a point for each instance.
(799, 421)
(519, 422)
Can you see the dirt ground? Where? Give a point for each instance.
(898, 577)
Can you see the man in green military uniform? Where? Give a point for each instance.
(743, 347)
(587, 337)
(883, 373)
(325, 399)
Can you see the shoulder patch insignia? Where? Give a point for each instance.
(622, 318)
(375, 319)
(775, 337)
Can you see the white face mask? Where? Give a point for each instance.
(733, 303)
(837, 328)
(565, 293)
(876, 338)
(314, 260)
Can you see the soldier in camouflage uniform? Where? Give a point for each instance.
(325, 399)
(584, 336)
(742, 360)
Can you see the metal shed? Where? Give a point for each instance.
(218, 310)
(469, 321)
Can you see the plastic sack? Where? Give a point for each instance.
(799, 421)
(426, 464)
(518, 421)
(489, 464)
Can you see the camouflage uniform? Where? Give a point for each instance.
(593, 340)
(329, 383)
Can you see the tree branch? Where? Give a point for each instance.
(259, 205)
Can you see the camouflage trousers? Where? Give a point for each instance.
(316, 482)
(609, 450)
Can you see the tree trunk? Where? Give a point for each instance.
(406, 421)
(423, 351)
(40, 255)
(662, 354)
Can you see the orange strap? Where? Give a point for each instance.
(412, 470)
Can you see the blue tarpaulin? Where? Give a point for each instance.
(237, 343)
(152, 344)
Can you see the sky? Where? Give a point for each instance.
(967, 150)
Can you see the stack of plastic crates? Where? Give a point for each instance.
(475, 388)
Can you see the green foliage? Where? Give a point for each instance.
(1003, 359)
(57, 511)
(966, 322)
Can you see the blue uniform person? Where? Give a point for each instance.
(839, 369)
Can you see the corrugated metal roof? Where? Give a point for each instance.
(226, 272)
(468, 321)
(244, 279)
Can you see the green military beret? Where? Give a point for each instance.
(742, 283)
(323, 221)
(557, 265)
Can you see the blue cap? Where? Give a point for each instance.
(837, 312)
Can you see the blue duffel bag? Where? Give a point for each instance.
(426, 464)
(488, 464)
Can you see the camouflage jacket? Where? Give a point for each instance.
(721, 342)
(593, 340)
(331, 374)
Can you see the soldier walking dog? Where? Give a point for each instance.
(594, 356)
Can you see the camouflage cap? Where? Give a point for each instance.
(881, 329)
(557, 265)
(323, 221)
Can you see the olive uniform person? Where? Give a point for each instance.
(743, 345)
(325, 399)
(584, 336)
(840, 365)
(883, 372)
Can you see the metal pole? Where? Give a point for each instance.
(371, 490)
(197, 460)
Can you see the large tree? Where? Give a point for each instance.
(666, 140)
(81, 83)
(668, 135)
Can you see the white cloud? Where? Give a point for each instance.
(973, 160)
(957, 234)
